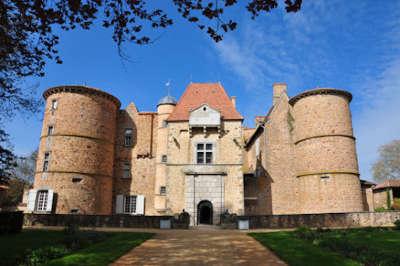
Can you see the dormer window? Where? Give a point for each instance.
(204, 153)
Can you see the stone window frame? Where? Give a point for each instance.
(129, 204)
(41, 201)
(213, 151)
(128, 137)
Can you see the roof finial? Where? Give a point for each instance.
(167, 84)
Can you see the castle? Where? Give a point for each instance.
(196, 155)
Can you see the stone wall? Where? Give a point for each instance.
(355, 219)
(126, 221)
(141, 156)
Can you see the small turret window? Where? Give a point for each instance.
(46, 161)
(54, 104)
(50, 130)
(163, 190)
(128, 137)
(126, 168)
(164, 123)
(164, 158)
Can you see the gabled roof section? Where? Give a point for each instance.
(197, 94)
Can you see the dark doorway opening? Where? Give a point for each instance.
(204, 212)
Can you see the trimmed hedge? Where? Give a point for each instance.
(11, 222)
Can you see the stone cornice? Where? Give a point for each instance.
(321, 91)
(81, 90)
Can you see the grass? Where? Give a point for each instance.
(105, 252)
(298, 252)
(13, 247)
(335, 247)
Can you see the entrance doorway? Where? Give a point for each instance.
(204, 212)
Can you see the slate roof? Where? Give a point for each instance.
(197, 94)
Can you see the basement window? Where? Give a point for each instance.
(324, 176)
(74, 211)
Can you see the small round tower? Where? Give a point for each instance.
(326, 159)
(77, 138)
(164, 108)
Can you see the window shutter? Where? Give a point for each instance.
(119, 204)
(49, 205)
(31, 200)
(140, 204)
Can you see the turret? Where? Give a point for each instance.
(76, 152)
(326, 160)
(164, 108)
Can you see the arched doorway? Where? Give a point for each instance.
(204, 212)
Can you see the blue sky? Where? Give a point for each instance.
(352, 45)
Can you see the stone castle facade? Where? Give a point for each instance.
(195, 154)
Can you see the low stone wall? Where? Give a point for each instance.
(354, 219)
(127, 221)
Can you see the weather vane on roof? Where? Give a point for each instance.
(168, 85)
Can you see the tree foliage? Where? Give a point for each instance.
(388, 164)
(7, 159)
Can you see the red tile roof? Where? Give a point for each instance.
(388, 183)
(197, 94)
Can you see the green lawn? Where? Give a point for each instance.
(13, 247)
(335, 247)
(296, 251)
(104, 252)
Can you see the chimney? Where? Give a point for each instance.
(278, 90)
(233, 99)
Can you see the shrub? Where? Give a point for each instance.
(397, 224)
(42, 255)
(11, 222)
(305, 233)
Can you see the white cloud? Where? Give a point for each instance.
(326, 43)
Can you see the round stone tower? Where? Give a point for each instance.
(326, 159)
(164, 108)
(77, 140)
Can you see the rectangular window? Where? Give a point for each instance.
(204, 153)
(46, 161)
(126, 170)
(163, 190)
(50, 131)
(128, 137)
(129, 204)
(164, 158)
(41, 200)
(54, 104)
(164, 123)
